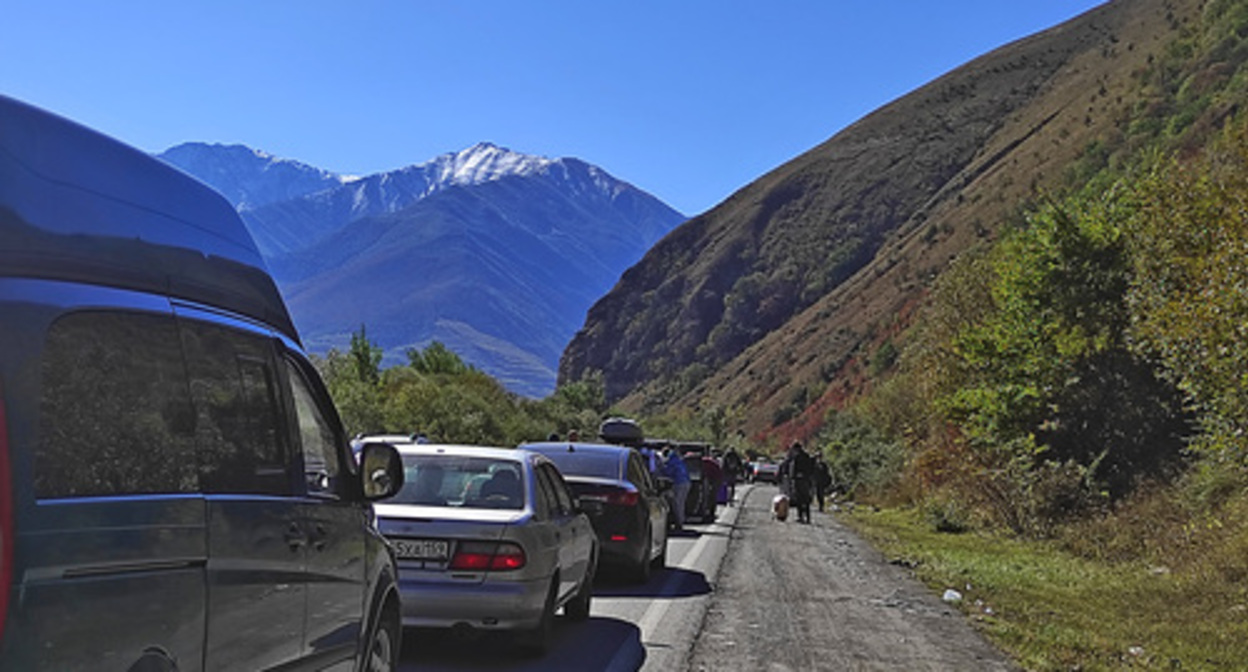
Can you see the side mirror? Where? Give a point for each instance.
(663, 483)
(381, 470)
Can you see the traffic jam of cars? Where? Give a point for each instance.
(495, 539)
(139, 315)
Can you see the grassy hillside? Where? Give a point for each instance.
(1070, 400)
(762, 301)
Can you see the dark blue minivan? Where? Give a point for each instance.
(176, 491)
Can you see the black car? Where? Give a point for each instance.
(624, 503)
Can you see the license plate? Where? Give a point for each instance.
(422, 549)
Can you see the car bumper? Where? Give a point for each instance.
(488, 605)
(619, 553)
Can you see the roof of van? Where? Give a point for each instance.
(77, 205)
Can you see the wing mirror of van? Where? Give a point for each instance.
(381, 469)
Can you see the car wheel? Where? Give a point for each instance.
(536, 642)
(578, 608)
(641, 572)
(384, 645)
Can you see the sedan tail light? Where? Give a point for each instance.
(488, 556)
(613, 496)
(6, 518)
(623, 498)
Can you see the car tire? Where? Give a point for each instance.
(641, 571)
(577, 609)
(384, 643)
(536, 642)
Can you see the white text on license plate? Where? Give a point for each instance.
(422, 549)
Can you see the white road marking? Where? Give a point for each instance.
(625, 657)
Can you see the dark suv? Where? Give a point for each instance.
(176, 492)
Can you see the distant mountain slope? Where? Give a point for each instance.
(495, 253)
(249, 178)
(763, 299)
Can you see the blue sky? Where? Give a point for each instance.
(687, 99)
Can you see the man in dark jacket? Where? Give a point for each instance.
(734, 468)
(798, 470)
(823, 480)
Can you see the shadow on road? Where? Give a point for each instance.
(599, 644)
(670, 582)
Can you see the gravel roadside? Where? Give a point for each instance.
(791, 596)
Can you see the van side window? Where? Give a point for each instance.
(321, 454)
(235, 393)
(115, 417)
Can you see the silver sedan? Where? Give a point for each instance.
(489, 538)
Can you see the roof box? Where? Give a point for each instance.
(621, 431)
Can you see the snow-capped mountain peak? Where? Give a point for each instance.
(484, 162)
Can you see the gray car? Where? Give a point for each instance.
(489, 538)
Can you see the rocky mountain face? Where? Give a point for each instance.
(761, 304)
(494, 253)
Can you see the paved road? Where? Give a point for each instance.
(745, 593)
(649, 627)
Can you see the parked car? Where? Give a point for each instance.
(624, 503)
(489, 538)
(176, 490)
(396, 440)
(765, 472)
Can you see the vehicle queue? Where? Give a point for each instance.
(169, 453)
(492, 539)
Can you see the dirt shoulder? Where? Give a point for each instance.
(815, 597)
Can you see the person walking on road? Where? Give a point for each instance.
(733, 468)
(798, 470)
(823, 480)
(674, 468)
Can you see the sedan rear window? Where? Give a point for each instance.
(458, 481)
(585, 464)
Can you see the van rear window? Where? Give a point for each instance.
(115, 415)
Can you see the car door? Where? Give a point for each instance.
(335, 523)
(652, 500)
(256, 543)
(572, 531)
(111, 549)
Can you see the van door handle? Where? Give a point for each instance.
(319, 537)
(295, 538)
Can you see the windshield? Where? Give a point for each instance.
(461, 481)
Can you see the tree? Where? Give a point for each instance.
(435, 359)
(1189, 295)
(365, 358)
(1052, 379)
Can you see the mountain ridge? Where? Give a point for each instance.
(778, 291)
(495, 253)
